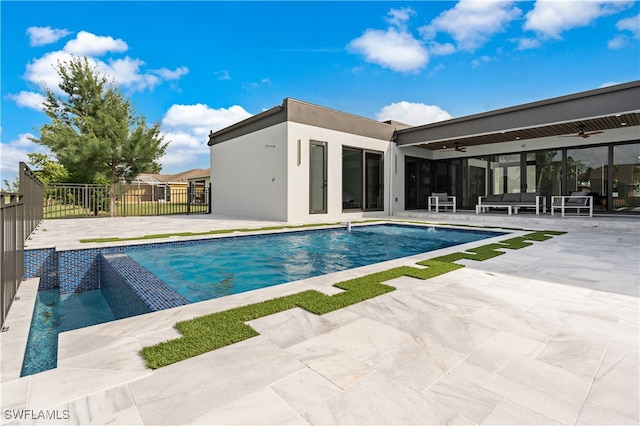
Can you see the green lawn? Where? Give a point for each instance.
(67, 211)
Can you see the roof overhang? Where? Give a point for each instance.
(612, 107)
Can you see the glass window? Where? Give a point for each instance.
(625, 192)
(362, 179)
(374, 180)
(351, 178)
(587, 172)
(318, 177)
(544, 172)
(505, 171)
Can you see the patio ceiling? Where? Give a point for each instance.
(569, 129)
(614, 107)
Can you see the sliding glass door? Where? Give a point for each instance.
(362, 179)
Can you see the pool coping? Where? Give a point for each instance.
(13, 342)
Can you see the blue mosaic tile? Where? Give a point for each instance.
(131, 290)
(42, 263)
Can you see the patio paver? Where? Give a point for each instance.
(547, 334)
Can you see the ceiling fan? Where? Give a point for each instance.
(456, 147)
(582, 133)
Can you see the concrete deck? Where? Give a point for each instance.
(548, 334)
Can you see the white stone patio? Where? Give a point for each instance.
(548, 334)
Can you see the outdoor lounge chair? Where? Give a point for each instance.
(441, 199)
(577, 200)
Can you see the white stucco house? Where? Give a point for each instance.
(300, 162)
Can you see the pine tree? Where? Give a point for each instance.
(94, 131)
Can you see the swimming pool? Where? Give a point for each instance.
(206, 269)
(234, 265)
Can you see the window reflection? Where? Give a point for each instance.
(587, 172)
(625, 191)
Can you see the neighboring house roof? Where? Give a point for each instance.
(147, 179)
(182, 177)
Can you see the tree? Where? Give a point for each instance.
(47, 169)
(13, 186)
(94, 131)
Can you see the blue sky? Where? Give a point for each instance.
(201, 66)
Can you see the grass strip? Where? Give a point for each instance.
(209, 332)
(213, 232)
(273, 228)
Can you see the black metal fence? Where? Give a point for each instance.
(20, 214)
(84, 200)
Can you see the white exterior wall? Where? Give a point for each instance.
(298, 174)
(249, 175)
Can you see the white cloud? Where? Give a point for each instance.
(412, 113)
(26, 99)
(550, 18)
(168, 74)
(609, 83)
(15, 151)
(203, 116)
(266, 81)
(40, 36)
(481, 60)
(42, 71)
(399, 17)
(223, 75)
(630, 24)
(188, 127)
(88, 44)
(618, 42)
(440, 49)
(472, 23)
(184, 150)
(126, 72)
(393, 49)
(526, 43)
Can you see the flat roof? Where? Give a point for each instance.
(601, 109)
(314, 115)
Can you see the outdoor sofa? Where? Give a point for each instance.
(577, 200)
(512, 202)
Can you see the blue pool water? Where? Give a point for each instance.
(55, 313)
(235, 265)
(207, 270)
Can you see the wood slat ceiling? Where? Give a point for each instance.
(558, 130)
